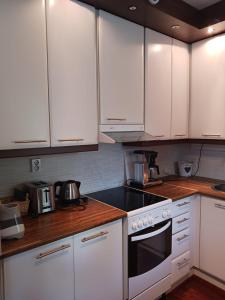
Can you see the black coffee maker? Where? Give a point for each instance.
(146, 171)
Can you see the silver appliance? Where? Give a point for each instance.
(11, 223)
(67, 192)
(146, 171)
(41, 195)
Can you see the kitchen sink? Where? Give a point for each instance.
(219, 187)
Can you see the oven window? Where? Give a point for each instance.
(145, 253)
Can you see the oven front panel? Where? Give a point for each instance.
(146, 253)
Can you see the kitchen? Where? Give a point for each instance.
(90, 90)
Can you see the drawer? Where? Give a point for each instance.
(180, 207)
(181, 266)
(181, 242)
(181, 222)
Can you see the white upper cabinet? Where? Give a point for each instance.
(158, 51)
(208, 89)
(71, 32)
(180, 90)
(121, 71)
(24, 117)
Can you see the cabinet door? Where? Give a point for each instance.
(28, 276)
(98, 263)
(24, 116)
(208, 89)
(121, 67)
(72, 72)
(158, 84)
(180, 90)
(212, 238)
(195, 230)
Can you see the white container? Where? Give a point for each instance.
(185, 168)
(11, 222)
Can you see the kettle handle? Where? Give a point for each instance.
(56, 185)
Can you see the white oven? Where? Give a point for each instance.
(149, 253)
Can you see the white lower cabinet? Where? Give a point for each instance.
(212, 238)
(181, 266)
(45, 273)
(185, 239)
(98, 263)
(81, 267)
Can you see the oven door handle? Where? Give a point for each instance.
(149, 235)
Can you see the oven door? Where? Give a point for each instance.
(149, 256)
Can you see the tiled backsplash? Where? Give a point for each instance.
(212, 162)
(96, 170)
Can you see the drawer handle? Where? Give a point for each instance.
(29, 141)
(116, 119)
(183, 237)
(206, 134)
(52, 251)
(179, 134)
(92, 237)
(220, 206)
(183, 263)
(182, 204)
(70, 140)
(182, 221)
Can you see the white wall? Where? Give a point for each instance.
(212, 162)
(96, 170)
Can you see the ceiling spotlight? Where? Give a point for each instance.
(132, 8)
(210, 29)
(153, 2)
(175, 27)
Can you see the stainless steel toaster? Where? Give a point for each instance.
(41, 195)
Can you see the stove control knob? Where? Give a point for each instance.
(150, 220)
(145, 222)
(169, 213)
(140, 224)
(134, 226)
(165, 214)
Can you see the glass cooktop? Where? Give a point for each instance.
(125, 198)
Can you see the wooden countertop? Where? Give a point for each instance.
(62, 223)
(59, 224)
(177, 188)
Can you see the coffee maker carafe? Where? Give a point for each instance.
(146, 171)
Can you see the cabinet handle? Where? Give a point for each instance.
(182, 221)
(206, 134)
(157, 136)
(29, 141)
(182, 204)
(116, 119)
(49, 252)
(179, 134)
(183, 263)
(183, 237)
(220, 206)
(70, 140)
(92, 237)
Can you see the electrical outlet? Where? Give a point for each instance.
(35, 165)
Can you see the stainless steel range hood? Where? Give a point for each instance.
(124, 136)
(111, 134)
